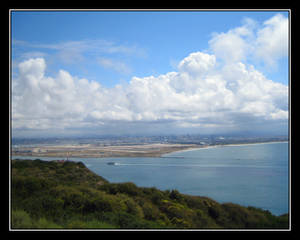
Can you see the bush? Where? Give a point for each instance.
(110, 188)
(150, 211)
(98, 225)
(55, 195)
(175, 195)
(157, 197)
(202, 220)
(241, 217)
(128, 188)
(26, 186)
(20, 219)
(180, 223)
(179, 215)
(19, 164)
(43, 223)
(133, 208)
(128, 221)
(76, 224)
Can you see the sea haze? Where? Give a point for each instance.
(250, 175)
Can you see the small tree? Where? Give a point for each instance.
(175, 195)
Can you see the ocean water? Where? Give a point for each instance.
(250, 175)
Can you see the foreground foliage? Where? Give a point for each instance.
(52, 194)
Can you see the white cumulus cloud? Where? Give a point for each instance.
(207, 92)
(206, 97)
(272, 40)
(267, 43)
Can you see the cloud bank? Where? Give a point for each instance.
(209, 92)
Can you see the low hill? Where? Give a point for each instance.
(58, 194)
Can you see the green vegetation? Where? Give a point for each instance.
(51, 194)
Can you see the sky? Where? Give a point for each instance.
(80, 73)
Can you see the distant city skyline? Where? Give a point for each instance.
(80, 73)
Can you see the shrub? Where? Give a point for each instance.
(175, 195)
(54, 195)
(110, 188)
(175, 210)
(157, 197)
(133, 208)
(76, 224)
(202, 220)
(20, 219)
(128, 221)
(26, 186)
(150, 211)
(98, 225)
(180, 223)
(241, 217)
(43, 223)
(128, 188)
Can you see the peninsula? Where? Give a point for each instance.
(125, 146)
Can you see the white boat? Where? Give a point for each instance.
(113, 163)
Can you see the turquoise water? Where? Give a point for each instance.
(251, 175)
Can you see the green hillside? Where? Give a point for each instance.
(51, 194)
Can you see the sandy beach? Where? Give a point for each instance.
(89, 150)
(225, 145)
(94, 151)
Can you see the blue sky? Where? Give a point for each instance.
(111, 48)
(158, 40)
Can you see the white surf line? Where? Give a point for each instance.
(197, 165)
(222, 145)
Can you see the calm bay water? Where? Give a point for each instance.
(249, 175)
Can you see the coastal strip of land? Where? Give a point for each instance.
(95, 151)
(229, 145)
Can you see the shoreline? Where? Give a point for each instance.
(150, 151)
(226, 145)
